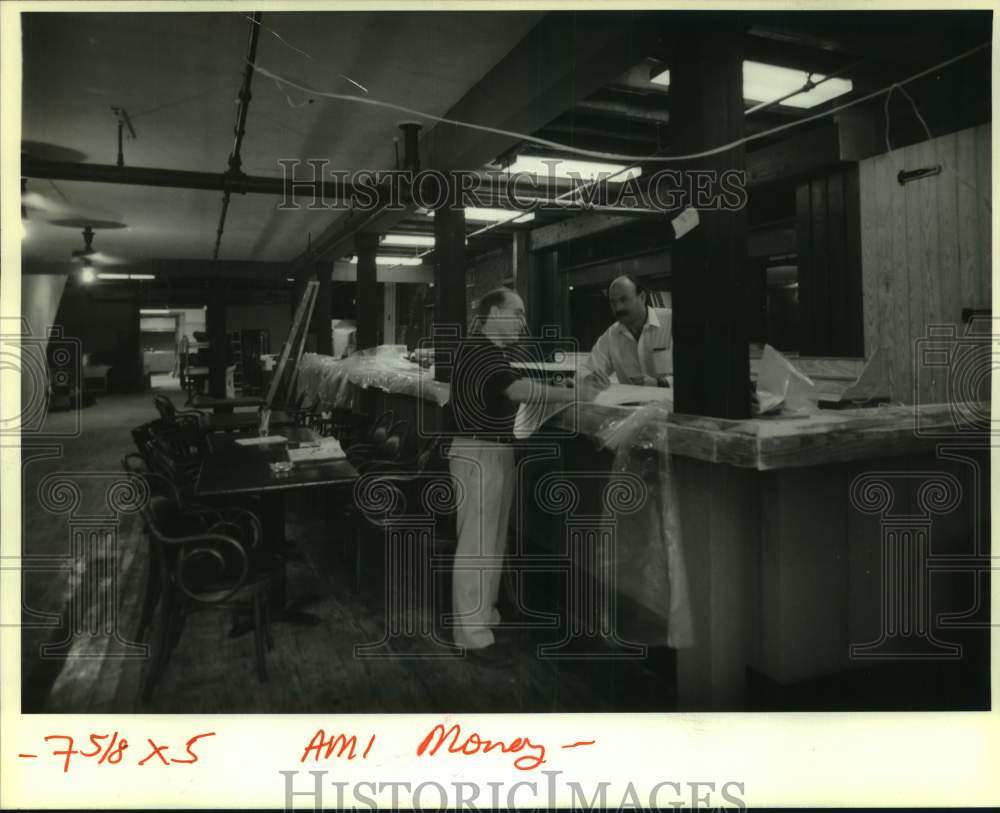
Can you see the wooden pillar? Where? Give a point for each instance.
(390, 335)
(547, 291)
(322, 318)
(368, 305)
(536, 280)
(712, 285)
(218, 338)
(449, 279)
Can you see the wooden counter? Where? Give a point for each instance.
(817, 439)
(809, 543)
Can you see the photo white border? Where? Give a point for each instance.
(896, 759)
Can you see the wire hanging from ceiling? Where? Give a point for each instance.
(612, 156)
(307, 55)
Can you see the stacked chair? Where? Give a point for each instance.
(201, 557)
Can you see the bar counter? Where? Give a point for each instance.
(807, 544)
(778, 442)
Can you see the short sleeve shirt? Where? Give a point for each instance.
(479, 407)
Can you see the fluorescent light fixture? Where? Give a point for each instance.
(109, 276)
(87, 275)
(479, 214)
(153, 312)
(408, 240)
(383, 259)
(765, 83)
(544, 166)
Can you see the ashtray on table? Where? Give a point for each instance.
(279, 467)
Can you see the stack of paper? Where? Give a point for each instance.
(327, 449)
(262, 441)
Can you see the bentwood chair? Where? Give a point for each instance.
(413, 487)
(369, 450)
(200, 559)
(190, 423)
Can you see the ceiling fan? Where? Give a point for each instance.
(88, 255)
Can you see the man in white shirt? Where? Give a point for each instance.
(638, 347)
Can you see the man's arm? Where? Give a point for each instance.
(598, 365)
(526, 391)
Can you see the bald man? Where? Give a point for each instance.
(638, 347)
(485, 394)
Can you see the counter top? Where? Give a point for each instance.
(819, 438)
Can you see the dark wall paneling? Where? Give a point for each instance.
(828, 238)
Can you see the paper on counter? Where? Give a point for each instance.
(777, 378)
(622, 394)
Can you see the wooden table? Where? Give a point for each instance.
(193, 376)
(233, 422)
(225, 406)
(232, 470)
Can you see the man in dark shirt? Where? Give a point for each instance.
(485, 394)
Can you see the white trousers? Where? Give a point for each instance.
(485, 474)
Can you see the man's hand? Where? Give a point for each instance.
(588, 388)
(643, 381)
(598, 379)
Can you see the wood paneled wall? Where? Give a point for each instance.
(926, 251)
(828, 237)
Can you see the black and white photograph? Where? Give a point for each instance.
(498, 361)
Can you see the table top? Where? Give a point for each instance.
(233, 420)
(208, 402)
(234, 469)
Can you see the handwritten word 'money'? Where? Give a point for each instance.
(472, 744)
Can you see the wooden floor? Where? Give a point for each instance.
(312, 668)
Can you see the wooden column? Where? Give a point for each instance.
(368, 305)
(536, 280)
(323, 315)
(711, 278)
(390, 335)
(449, 278)
(218, 338)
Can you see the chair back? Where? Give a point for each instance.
(199, 553)
(165, 407)
(381, 427)
(396, 444)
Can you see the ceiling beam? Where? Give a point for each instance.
(417, 274)
(572, 228)
(624, 110)
(547, 73)
(202, 269)
(173, 178)
(794, 158)
(561, 61)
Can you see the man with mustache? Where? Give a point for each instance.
(638, 347)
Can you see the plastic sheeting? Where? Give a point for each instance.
(336, 382)
(650, 563)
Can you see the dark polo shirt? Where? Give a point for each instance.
(479, 408)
